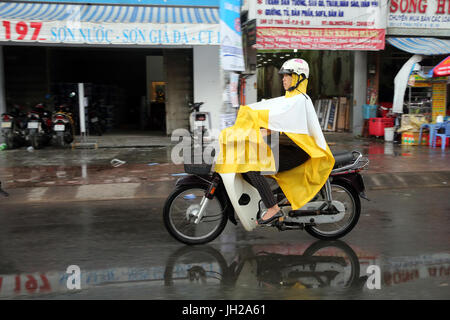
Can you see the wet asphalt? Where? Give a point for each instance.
(124, 251)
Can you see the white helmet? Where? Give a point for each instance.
(298, 66)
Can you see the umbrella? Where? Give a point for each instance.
(442, 69)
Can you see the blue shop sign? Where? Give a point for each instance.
(188, 3)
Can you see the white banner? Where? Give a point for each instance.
(367, 14)
(232, 54)
(74, 32)
(433, 14)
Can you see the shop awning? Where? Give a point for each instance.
(442, 69)
(424, 46)
(60, 23)
(107, 13)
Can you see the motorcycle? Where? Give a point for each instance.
(95, 121)
(197, 211)
(13, 127)
(39, 126)
(323, 264)
(63, 125)
(199, 122)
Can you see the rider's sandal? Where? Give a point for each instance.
(276, 216)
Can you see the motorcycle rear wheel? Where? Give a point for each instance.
(35, 143)
(333, 231)
(341, 250)
(60, 141)
(10, 142)
(180, 224)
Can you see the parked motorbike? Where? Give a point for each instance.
(323, 264)
(95, 120)
(197, 211)
(39, 126)
(199, 121)
(63, 125)
(14, 127)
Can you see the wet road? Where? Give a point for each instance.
(124, 252)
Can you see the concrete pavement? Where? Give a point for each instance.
(57, 175)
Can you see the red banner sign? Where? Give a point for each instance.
(320, 38)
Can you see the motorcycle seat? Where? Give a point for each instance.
(342, 158)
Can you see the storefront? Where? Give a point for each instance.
(335, 38)
(418, 38)
(142, 61)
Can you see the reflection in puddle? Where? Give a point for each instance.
(255, 271)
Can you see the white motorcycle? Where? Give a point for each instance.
(197, 211)
(199, 122)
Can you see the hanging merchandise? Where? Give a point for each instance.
(401, 82)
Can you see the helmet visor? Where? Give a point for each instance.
(285, 71)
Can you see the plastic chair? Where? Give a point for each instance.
(424, 126)
(446, 127)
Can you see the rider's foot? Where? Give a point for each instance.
(276, 216)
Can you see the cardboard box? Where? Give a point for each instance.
(341, 113)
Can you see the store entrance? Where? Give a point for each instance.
(124, 87)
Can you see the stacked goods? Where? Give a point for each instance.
(412, 138)
(410, 128)
(333, 114)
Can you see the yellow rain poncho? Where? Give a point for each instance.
(243, 149)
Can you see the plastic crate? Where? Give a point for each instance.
(377, 125)
(385, 108)
(369, 111)
(439, 141)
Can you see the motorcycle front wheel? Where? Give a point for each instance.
(179, 215)
(335, 230)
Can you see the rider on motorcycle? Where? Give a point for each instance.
(300, 140)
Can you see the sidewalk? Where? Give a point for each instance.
(137, 139)
(53, 175)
